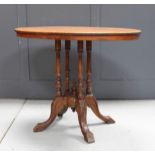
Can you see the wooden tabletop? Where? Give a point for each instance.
(78, 33)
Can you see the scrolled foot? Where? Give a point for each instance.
(109, 120)
(39, 127)
(89, 137)
(56, 107)
(81, 109)
(92, 103)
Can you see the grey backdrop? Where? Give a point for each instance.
(121, 70)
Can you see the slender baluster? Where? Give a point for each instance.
(57, 104)
(89, 69)
(90, 99)
(81, 106)
(67, 67)
(80, 70)
(58, 67)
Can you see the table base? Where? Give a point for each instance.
(74, 97)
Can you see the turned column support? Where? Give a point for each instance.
(67, 66)
(90, 99)
(76, 100)
(81, 106)
(89, 68)
(80, 70)
(58, 68)
(67, 78)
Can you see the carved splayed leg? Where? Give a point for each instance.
(81, 106)
(90, 99)
(92, 103)
(58, 103)
(56, 107)
(81, 109)
(75, 99)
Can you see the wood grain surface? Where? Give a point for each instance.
(78, 33)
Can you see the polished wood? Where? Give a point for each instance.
(78, 33)
(89, 68)
(81, 109)
(92, 103)
(58, 67)
(77, 30)
(80, 70)
(90, 99)
(67, 65)
(56, 107)
(81, 106)
(67, 78)
(75, 97)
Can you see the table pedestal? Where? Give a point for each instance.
(74, 97)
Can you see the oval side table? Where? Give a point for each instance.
(75, 97)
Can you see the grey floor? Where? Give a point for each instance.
(134, 128)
